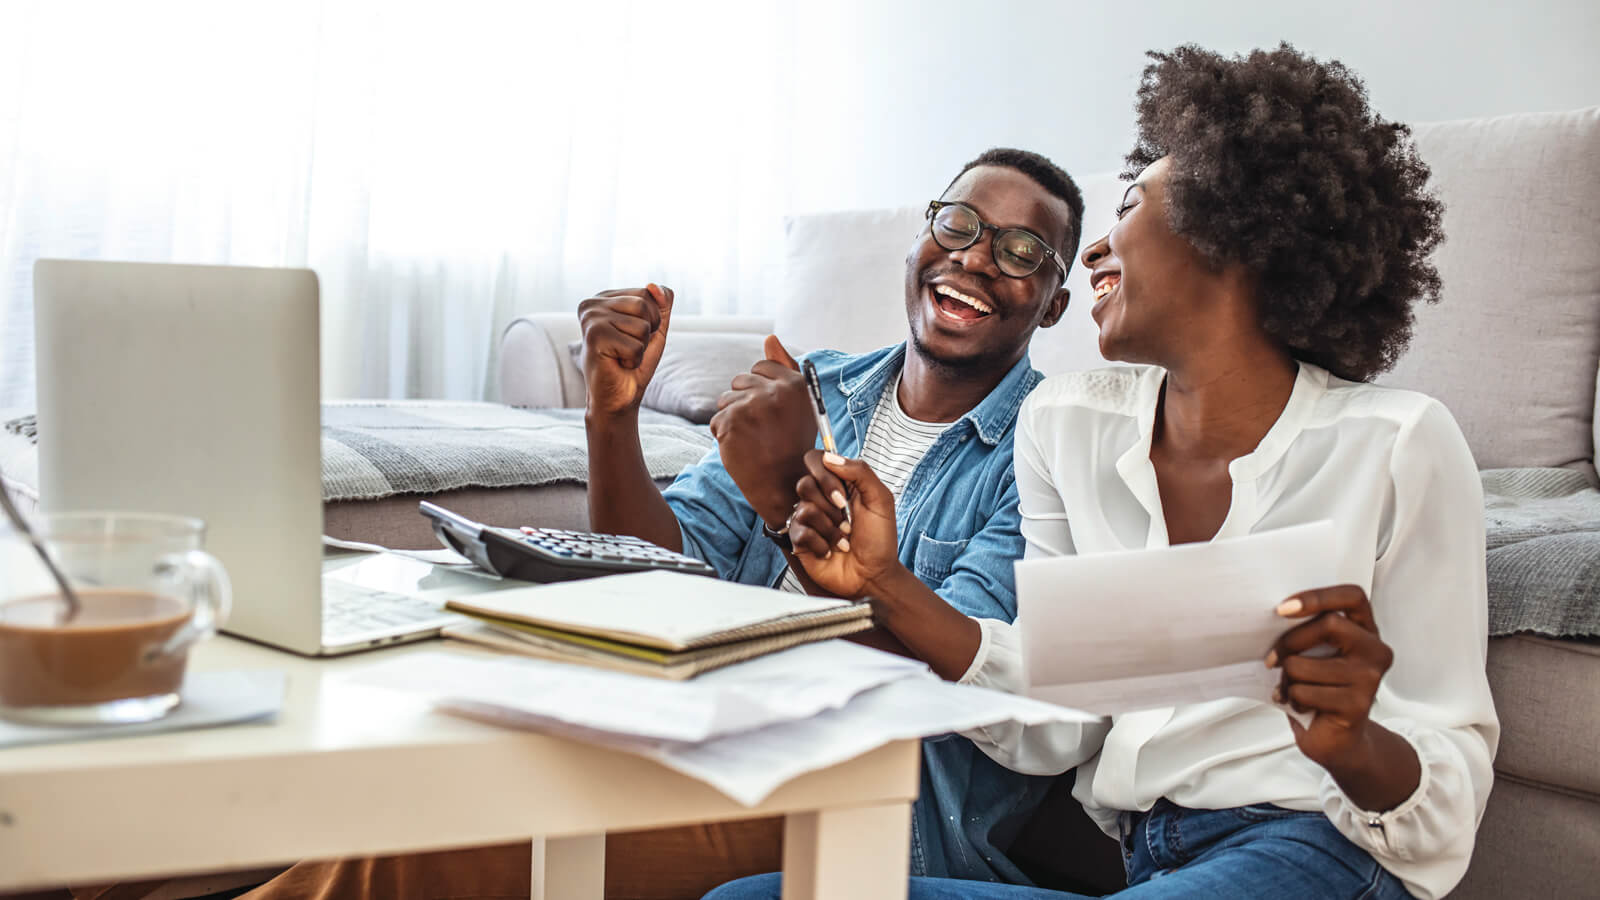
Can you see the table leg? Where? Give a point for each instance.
(863, 853)
(570, 867)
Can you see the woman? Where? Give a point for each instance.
(1261, 271)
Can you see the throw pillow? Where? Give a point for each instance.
(695, 369)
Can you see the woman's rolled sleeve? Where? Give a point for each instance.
(1427, 840)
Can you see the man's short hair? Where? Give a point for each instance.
(1047, 175)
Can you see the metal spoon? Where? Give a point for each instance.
(21, 524)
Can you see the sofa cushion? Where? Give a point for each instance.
(695, 368)
(1547, 693)
(1513, 345)
(395, 522)
(1533, 842)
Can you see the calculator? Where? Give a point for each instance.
(553, 554)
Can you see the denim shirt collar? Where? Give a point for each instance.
(863, 379)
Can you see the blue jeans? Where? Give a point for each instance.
(1171, 852)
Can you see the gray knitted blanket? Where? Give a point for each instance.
(1543, 537)
(382, 448)
(375, 449)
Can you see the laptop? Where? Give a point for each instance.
(195, 390)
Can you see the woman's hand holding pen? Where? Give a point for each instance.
(849, 559)
(1376, 768)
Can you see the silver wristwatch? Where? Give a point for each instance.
(780, 536)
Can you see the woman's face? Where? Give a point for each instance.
(1149, 283)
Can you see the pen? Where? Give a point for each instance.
(823, 427)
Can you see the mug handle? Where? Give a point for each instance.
(206, 583)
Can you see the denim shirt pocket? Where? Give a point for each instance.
(935, 558)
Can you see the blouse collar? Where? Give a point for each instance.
(1139, 473)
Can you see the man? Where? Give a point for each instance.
(933, 416)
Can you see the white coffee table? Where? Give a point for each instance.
(351, 770)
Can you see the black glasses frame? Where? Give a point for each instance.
(933, 209)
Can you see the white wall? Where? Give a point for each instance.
(892, 97)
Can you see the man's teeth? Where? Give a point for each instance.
(1106, 286)
(954, 294)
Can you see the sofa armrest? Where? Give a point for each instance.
(536, 368)
(536, 371)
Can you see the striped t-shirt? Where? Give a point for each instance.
(895, 444)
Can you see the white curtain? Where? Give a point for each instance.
(443, 167)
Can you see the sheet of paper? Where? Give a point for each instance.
(413, 577)
(1115, 632)
(792, 684)
(440, 557)
(751, 765)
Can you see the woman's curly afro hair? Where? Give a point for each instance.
(1278, 163)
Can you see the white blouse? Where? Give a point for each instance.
(1393, 472)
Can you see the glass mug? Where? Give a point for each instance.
(147, 593)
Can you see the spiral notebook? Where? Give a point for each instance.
(652, 622)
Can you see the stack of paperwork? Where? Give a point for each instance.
(746, 729)
(1110, 633)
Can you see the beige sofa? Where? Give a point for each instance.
(1513, 349)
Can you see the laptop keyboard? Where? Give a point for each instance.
(351, 611)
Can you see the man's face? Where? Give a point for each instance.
(992, 333)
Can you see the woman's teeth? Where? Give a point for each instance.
(947, 291)
(1106, 286)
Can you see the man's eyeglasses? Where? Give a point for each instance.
(1017, 252)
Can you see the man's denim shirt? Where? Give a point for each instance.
(959, 532)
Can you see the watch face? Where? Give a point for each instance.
(779, 537)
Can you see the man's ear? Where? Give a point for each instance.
(1057, 307)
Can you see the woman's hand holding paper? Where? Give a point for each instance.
(1375, 767)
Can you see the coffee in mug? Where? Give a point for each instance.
(146, 593)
